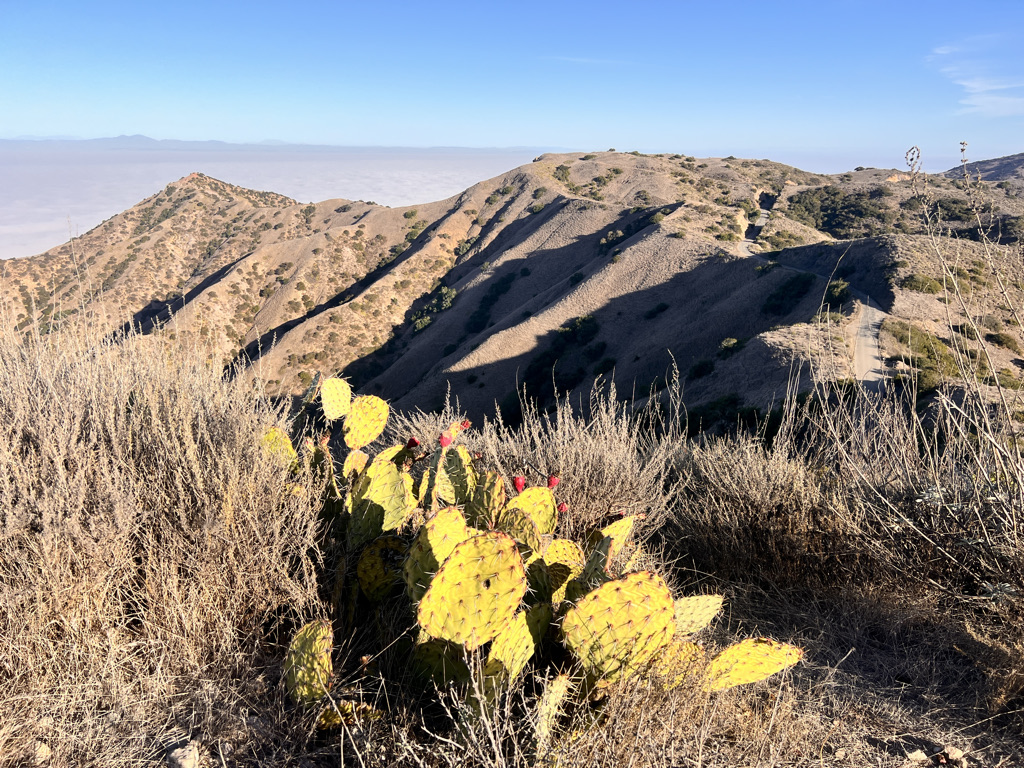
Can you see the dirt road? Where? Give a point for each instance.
(867, 358)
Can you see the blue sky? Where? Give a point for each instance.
(825, 85)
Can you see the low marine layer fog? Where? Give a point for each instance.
(53, 189)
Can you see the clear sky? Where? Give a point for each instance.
(826, 84)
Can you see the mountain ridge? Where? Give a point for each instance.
(575, 267)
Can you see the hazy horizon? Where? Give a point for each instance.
(60, 187)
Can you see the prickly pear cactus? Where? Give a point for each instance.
(335, 398)
(476, 592)
(549, 710)
(565, 561)
(750, 661)
(539, 505)
(593, 574)
(488, 500)
(511, 650)
(679, 660)
(367, 416)
(307, 665)
(695, 613)
(621, 626)
(276, 443)
(458, 469)
(620, 532)
(439, 660)
(354, 464)
(380, 566)
(382, 500)
(435, 541)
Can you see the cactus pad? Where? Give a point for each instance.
(380, 566)
(539, 504)
(565, 561)
(593, 574)
(349, 712)
(511, 650)
(680, 659)
(355, 463)
(307, 666)
(619, 532)
(750, 661)
(458, 468)
(549, 710)
(519, 525)
(695, 613)
(434, 543)
(621, 626)
(335, 398)
(440, 661)
(277, 444)
(488, 500)
(365, 421)
(382, 500)
(476, 592)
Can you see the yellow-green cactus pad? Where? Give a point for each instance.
(619, 532)
(276, 443)
(695, 613)
(434, 543)
(621, 626)
(380, 566)
(539, 504)
(750, 661)
(355, 463)
(520, 526)
(538, 579)
(476, 592)
(335, 398)
(307, 665)
(594, 573)
(440, 661)
(680, 659)
(382, 500)
(565, 561)
(366, 419)
(488, 500)
(511, 650)
(549, 710)
(349, 712)
(458, 469)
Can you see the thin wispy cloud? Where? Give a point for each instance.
(990, 71)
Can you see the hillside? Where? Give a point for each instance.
(1009, 168)
(606, 264)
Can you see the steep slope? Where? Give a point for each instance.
(1008, 168)
(550, 275)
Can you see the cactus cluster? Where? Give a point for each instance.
(490, 591)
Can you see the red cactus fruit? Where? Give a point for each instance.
(563, 508)
(466, 424)
(413, 443)
(446, 440)
(520, 482)
(552, 481)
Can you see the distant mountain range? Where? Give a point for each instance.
(575, 267)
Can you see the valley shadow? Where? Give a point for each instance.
(486, 295)
(862, 263)
(570, 357)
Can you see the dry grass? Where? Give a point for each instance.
(153, 563)
(149, 553)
